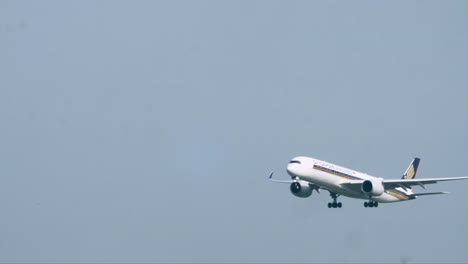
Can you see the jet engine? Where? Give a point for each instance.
(373, 187)
(301, 189)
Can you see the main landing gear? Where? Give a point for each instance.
(334, 204)
(371, 204)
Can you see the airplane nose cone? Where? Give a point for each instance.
(290, 170)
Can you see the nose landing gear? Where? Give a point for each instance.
(334, 204)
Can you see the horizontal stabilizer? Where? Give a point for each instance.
(430, 193)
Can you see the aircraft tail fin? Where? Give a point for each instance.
(410, 173)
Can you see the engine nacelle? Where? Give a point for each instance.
(373, 187)
(301, 189)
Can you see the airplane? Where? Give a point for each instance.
(309, 174)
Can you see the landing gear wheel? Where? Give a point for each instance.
(334, 204)
(371, 204)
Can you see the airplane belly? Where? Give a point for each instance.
(383, 198)
(386, 198)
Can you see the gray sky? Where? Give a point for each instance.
(143, 131)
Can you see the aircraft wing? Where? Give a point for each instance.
(403, 183)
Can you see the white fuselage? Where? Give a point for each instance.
(330, 177)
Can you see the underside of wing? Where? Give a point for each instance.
(354, 185)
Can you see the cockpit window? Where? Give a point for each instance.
(295, 161)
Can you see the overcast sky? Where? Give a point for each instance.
(143, 131)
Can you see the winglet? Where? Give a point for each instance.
(280, 181)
